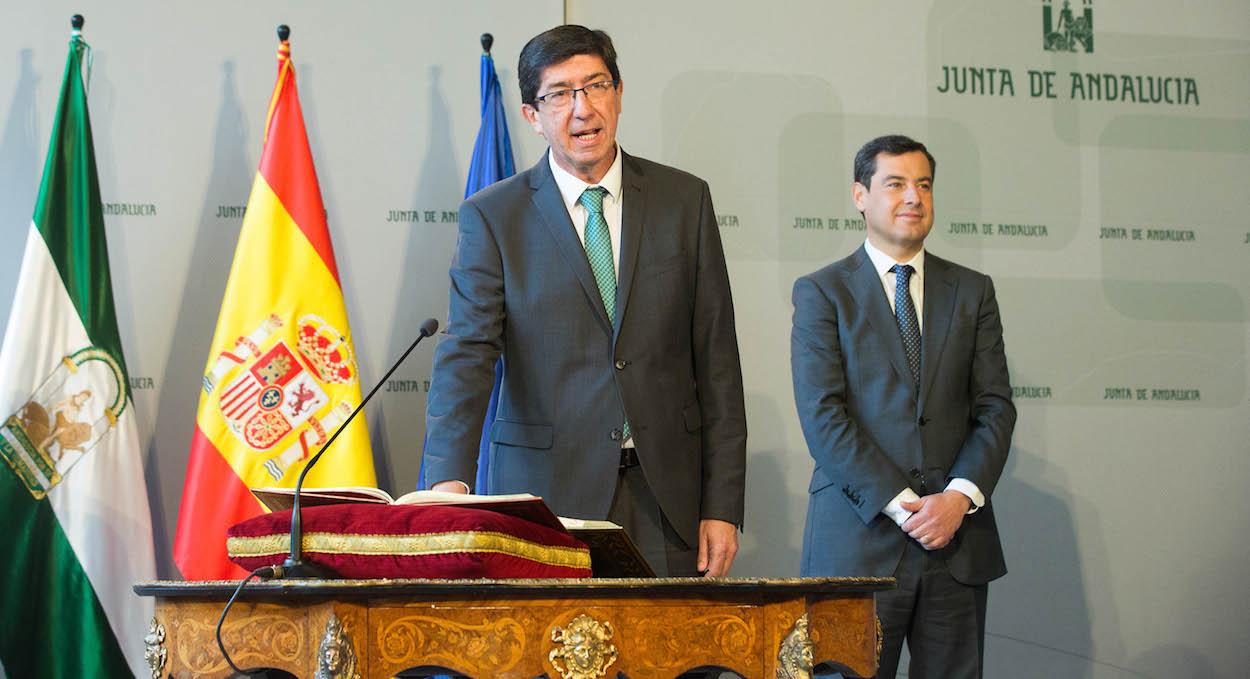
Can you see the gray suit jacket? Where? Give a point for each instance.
(521, 286)
(870, 435)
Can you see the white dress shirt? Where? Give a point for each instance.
(571, 189)
(882, 263)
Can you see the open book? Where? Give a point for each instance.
(612, 553)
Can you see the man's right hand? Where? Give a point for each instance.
(936, 517)
(451, 487)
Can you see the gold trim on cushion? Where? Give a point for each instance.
(412, 545)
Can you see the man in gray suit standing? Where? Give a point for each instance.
(600, 279)
(901, 384)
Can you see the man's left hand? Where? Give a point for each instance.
(936, 517)
(718, 545)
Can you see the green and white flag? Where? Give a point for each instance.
(74, 521)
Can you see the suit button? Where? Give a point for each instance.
(915, 473)
(615, 435)
(924, 421)
(620, 364)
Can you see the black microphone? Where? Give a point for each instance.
(294, 566)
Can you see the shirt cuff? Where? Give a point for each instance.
(895, 510)
(970, 489)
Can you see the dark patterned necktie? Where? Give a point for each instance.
(905, 314)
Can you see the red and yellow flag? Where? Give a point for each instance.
(281, 374)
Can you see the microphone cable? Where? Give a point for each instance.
(264, 573)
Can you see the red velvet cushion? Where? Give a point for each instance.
(406, 541)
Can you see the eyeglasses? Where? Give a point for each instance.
(595, 92)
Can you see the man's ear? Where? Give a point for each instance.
(531, 116)
(860, 193)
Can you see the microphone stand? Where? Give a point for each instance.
(295, 567)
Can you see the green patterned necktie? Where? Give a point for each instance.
(599, 253)
(599, 247)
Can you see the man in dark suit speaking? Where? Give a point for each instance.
(901, 384)
(600, 279)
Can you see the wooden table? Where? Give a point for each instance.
(489, 629)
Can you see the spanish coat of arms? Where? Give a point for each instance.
(272, 390)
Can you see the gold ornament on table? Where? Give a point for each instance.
(794, 660)
(587, 650)
(154, 648)
(880, 640)
(335, 658)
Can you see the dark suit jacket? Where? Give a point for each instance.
(521, 286)
(870, 435)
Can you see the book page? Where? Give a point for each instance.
(587, 524)
(437, 497)
(278, 499)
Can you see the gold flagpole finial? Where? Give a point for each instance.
(284, 60)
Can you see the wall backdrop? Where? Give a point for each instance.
(1096, 168)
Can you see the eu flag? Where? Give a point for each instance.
(492, 161)
(492, 152)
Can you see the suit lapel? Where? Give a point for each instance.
(866, 287)
(634, 195)
(939, 303)
(555, 216)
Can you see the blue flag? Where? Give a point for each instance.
(492, 152)
(492, 161)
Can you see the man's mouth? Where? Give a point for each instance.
(587, 137)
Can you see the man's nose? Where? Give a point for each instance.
(581, 104)
(911, 195)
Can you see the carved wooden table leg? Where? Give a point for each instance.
(293, 638)
(841, 629)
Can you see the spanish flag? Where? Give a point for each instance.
(281, 373)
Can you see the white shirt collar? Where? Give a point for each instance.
(882, 262)
(571, 187)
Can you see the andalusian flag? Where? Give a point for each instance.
(281, 373)
(73, 505)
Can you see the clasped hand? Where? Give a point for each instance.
(935, 518)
